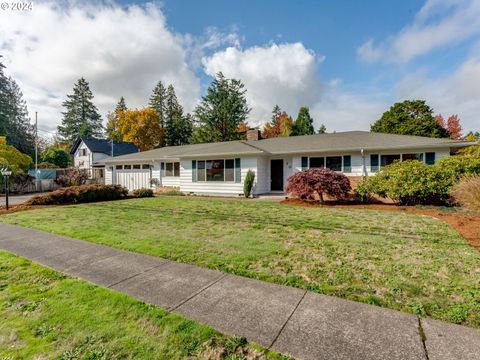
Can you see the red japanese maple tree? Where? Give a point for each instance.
(309, 183)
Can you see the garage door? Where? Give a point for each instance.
(133, 178)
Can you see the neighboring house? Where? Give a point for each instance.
(86, 151)
(220, 168)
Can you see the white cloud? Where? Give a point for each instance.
(121, 51)
(343, 110)
(282, 74)
(438, 24)
(457, 93)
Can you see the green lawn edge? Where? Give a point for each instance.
(46, 314)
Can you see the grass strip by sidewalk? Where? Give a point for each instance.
(45, 314)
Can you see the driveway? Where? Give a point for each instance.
(15, 199)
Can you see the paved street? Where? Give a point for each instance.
(15, 199)
(295, 322)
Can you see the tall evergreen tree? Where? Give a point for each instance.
(221, 110)
(20, 132)
(3, 101)
(111, 131)
(179, 127)
(276, 112)
(14, 120)
(158, 102)
(304, 123)
(121, 105)
(81, 117)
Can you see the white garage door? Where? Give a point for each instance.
(133, 179)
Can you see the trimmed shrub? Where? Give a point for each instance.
(408, 183)
(413, 182)
(80, 194)
(169, 192)
(312, 183)
(457, 166)
(248, 183)
(73, 177)
(143, 192)
(467, 192)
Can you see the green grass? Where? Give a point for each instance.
(46, 315)
(401, 261)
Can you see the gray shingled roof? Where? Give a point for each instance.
(332, 142)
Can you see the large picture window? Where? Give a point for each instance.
(389, 159)
(317, 162)
(334, 163)
(217, 170)
(416, 156)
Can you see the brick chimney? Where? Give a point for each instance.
(254, 134)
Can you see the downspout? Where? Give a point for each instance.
(364, 169)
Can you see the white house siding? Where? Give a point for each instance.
(262, 175)
(217, 187)
(82, 162)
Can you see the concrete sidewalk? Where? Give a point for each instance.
(291, 321)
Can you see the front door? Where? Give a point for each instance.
(276, 174)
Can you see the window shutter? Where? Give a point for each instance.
(162, 169)
(238, 171)
(430, 158)
(347, 164)
(304, 163)
(194, 170)
(374, 162)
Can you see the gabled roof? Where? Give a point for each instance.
(351, 141)
(104, 146)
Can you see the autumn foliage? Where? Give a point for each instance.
(142, 127)
(312, 183)
(280, 127)
(452, 125)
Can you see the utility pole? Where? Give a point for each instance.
(36, 151)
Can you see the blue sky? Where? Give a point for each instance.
(347, 60)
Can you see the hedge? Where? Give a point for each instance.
(80, 194)
(413, 182)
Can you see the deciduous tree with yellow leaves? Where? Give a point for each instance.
(142, 127)
(12, 157)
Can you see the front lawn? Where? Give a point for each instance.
(46, 315)
(401, 261)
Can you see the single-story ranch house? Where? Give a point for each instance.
(220, 168)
